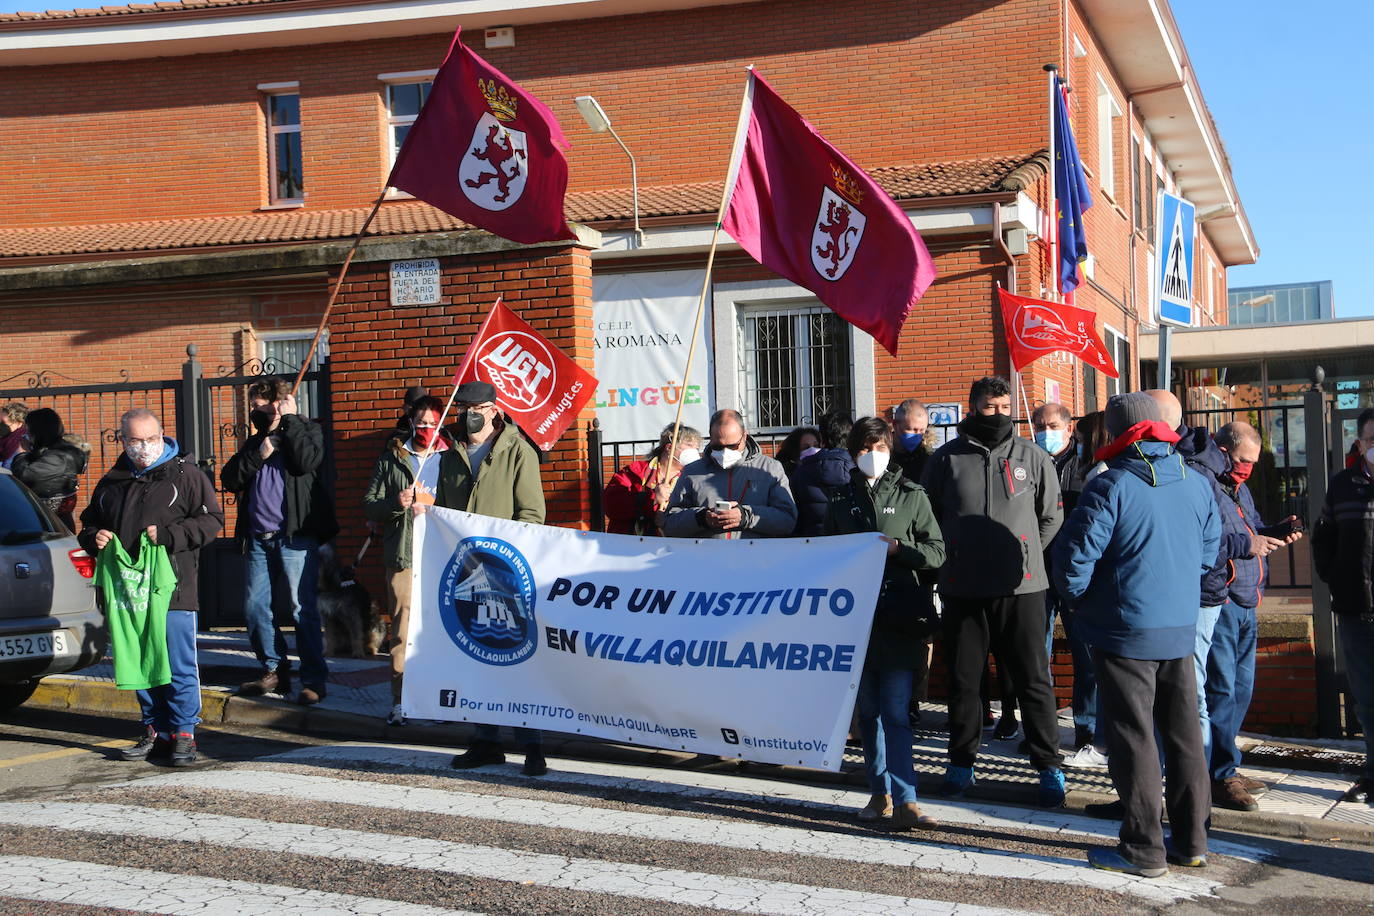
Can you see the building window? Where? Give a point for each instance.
(285, 178)
(795, 365)
(282, 354)
(1090, 403)
(1108, 113)
(403, 104)
(1119, 346)
(1138, 190)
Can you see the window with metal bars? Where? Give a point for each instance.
(283, 356)
(796, 364)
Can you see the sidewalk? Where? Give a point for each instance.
(1301, 803)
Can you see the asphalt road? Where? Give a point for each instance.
(267, 822)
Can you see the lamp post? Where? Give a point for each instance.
(596, 119)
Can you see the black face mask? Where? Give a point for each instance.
(261, 420)
(989, 429)
(475, 422)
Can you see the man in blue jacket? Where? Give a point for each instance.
(1123, 562)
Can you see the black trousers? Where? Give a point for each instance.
(1138, 697)
(1013, 627)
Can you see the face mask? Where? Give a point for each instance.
(1239, 473)
(912, 441)
(873, 463)
(807, 453)
(728, 457)
(688, 455)
(475, 422)
(990, 428)
(425, 435)
(1051, 440)
(143, 454)
(261, 420)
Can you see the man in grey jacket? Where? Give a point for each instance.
(997, 499)
(733, 491)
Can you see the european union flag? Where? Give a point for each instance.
(1071, 195)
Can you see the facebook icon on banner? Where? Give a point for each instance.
(1174, 274)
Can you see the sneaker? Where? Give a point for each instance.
(957, 781)
(535, 764)
(278, 681)
(1110, 811)
(396, 717)
(150, 746)
(1173, 857)
(1008, 728)
(1362, 791)
(183, 750)
(1086, 757)
(879, 807)
(311, 694)
(479, 754)
(1111, 860)
(1230, 793)
(908, 817)
(1052, 789)
(1253, 786)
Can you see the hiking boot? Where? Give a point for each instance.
(1111, 860)
(878, 808)
(183, 750)
(278, 681)
(310, 694)
(1230, 793)
(150, 746)
(535, 764)
(1008, 728)
(396, 716)
(1052, 789)
(908, 817)
(957, 781)
(479, 754)
(1086, 757)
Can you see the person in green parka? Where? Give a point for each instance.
(880, 498)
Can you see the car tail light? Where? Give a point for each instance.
(84, 563)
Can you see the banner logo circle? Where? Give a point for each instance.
(486, 601)
(520, 366)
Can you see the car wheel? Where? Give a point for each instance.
(12, 695)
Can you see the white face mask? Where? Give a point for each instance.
(728, 457)
(688, 455)
(873, 463)
(143, 454)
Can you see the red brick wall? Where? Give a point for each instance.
(889, 81)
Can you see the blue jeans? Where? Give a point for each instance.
(1357, 644)
(523, 735)
(1085, 702)
(1202, 648)
(1230, 683)
(175, 707)
(292, 563)
(884, 695)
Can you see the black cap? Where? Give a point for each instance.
(474, 393)
(414, 393)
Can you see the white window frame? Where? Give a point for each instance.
(1114, 385)
(321, 354)
(269, 92)
(390, 80)
(730, 299)
(1107, 111)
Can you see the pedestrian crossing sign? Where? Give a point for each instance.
(1174, 246)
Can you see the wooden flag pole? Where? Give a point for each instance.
(741, 129)
(334, 292)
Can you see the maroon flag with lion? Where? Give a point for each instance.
(486, 151)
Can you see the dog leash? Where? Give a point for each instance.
(362, 550)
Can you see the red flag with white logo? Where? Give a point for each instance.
(1038, 328)
(536, 383)
(486, 151)
(805, 211)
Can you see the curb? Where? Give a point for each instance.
(219, 707)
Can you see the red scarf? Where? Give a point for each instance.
(1144, 431)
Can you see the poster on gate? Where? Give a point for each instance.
(747, 648)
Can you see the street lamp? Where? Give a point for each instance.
(596, 119)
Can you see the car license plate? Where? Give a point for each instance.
(33, 645)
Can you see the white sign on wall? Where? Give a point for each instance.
(415, 282)
(643, 327)
(946, 416)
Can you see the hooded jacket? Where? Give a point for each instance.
(174, 495)
(998, 508)
(815, 479)
(393, 474)
(309, 510)
(1237, 575)
(1123, 558)
(1343, 541)
(757, 483)
(52, 470)
(506, 484)
(905, 616)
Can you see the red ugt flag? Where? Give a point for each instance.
(1037, 328)
(802, 209)
(536, 383)
(486, 151)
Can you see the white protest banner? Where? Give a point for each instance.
(643, 325)
(744, 648)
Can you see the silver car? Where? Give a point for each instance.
(49, 620)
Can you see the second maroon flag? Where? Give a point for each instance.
(804, 210)
(486, 151)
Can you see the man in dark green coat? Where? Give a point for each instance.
(880, 498)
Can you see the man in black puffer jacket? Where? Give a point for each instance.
(820, 475)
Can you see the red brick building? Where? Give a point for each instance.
(191, 172)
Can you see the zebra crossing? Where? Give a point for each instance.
(381, 829)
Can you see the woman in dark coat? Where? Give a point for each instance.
(51, 467)
(880, 498)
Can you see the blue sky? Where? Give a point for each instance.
(1284, 83)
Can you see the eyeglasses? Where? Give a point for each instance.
(151, 440)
